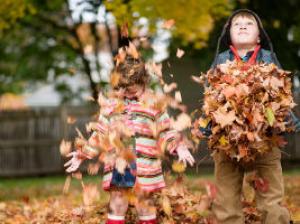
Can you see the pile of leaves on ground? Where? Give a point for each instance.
(72, 208)
(247, 108)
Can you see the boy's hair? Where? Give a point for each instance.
(130, 71)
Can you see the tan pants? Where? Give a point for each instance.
(229, 180)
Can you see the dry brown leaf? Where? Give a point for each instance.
(133, 51)
(90, 194)
(179, 53)
(168, 24)
(65, 147)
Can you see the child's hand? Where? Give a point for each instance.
(74, 163)
(185, 155)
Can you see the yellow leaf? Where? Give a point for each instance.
(203, 122)
(114, 79)
(270, 116)
(178, 167)
(223, 141)
(166, 205)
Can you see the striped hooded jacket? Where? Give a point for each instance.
(149, 175)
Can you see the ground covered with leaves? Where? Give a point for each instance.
(41, 200)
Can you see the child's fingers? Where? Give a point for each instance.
(71, 154)
(68, 163)
(190, 161)
(71, 169)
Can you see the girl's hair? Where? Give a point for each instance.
(131, 71)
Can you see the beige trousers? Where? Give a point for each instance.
(229, 180)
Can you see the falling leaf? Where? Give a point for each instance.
(199, 79)
(71, 120)
(169, 88)
(182, 122)
(133, 51)
(115, 79)
(89, 98)
(142, 39)
(65, 147)
(179, 53)
(178, 167)
(90, 194)
(168, 24)
(67, 184)
(124, 30)
(93, 168)
(120, 57)
(155, 68)
(178, 97)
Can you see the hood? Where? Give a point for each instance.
(224, 40)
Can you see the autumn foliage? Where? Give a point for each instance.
(248, 108)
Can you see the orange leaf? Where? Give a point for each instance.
(168, 24)
(133, 51)
(65, 147)
(124, 30)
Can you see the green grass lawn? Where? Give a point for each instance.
(16, 188)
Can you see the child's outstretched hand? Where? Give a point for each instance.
(185, 155)
(74, 163)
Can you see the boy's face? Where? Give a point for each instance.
(244, 32)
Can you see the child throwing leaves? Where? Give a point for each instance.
(246, 42)
(132, 132)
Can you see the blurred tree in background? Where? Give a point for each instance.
(42, 40)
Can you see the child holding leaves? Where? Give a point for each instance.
(132, 133)
(245, 42)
